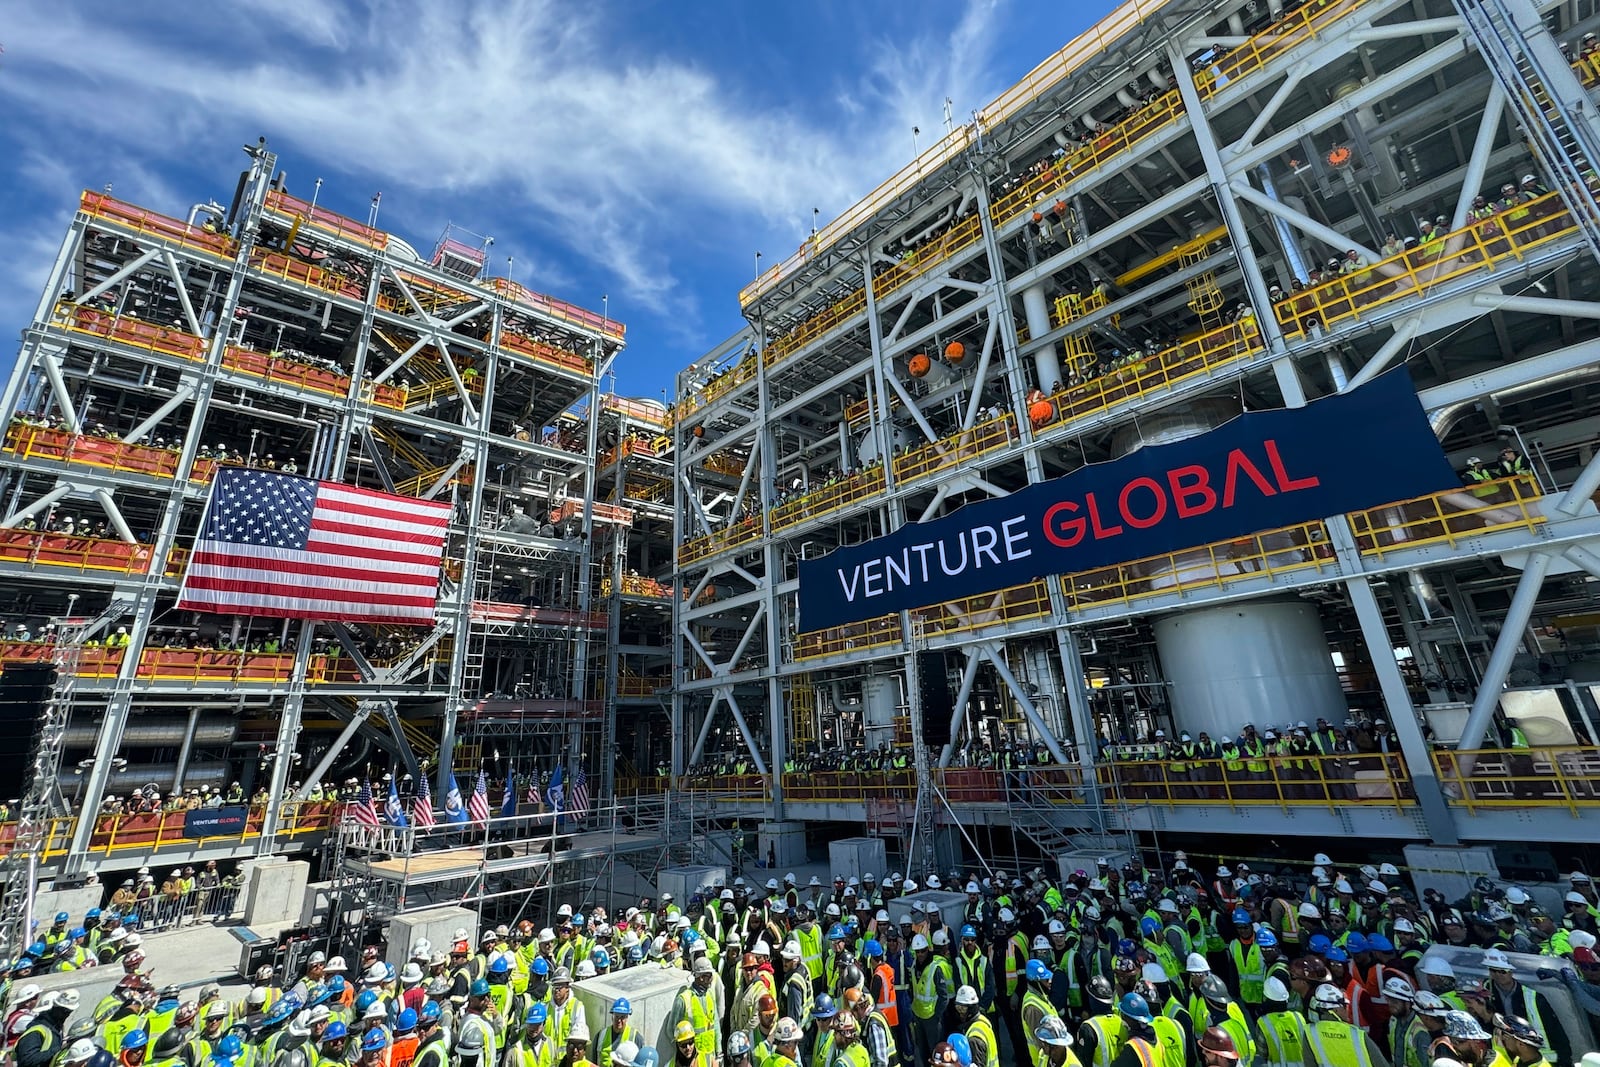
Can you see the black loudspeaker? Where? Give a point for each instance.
(24, 690)
(935, 699)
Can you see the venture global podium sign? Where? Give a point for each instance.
(1261, 471)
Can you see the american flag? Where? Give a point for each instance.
(422, 804)
(363, 811)
(478, 805)
(578, 805)
(287, 547)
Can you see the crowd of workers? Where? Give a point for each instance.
(1119, 967)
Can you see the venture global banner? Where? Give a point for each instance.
(1261, 471)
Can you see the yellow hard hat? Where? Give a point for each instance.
(684, 1032)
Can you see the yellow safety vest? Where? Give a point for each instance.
(1252, 973)
(854, 1056)
(925, 996)
(1337, 1044)
(981, 1030)
(1109, 1031)
(1284, 1035)
(703, 1017)
(540, 1055)
(810, 948)
(1170, 1040)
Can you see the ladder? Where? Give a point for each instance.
(1546, 97)
(802, 713)
(1205, 297)
(41, 798)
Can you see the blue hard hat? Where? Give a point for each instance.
(872, 948)
(1379, 943)
(92, 913)
(77, 932)
(968, 931)
(1037, 971)
(317, 994)
(836, 932)
(1355, 942)
(38, 948)
(1126, 947)
(824, 1007)
(537, 1015)
(1337, 955)
(1266, 938)
(601, 957)
(541, 966)
(232, 1045)
(962, 1048)
(577, 919)
(620, 1006)
(851, 923)
(62, 917)
(1134, 1007)
(479, 988)
(499, 965)
(366, 999)
(374, 1040)
(336, 984)
(430, 1012)
(406, 1021)
(1149, 927)
(636, 954)
(279, 1014)
(1241, 917)
(1319, 943)
(134, 1039)
(690, 936)
(334, 1032)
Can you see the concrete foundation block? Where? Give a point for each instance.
(437, 925)
(685, 882)
(75, 902)
(787, 840)
(1088, 859)
(275, 890)
(651, 992)
(857, 856)
(951, 906)
(1449, 870)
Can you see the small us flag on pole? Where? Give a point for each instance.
(293, 548)
(363, 811)
(422, 804)
(478, 805)
(578, 805)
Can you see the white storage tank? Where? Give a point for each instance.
(1263, 661)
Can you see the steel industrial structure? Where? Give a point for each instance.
(273, 332)
(1120, 251)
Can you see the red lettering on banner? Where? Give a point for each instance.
(1237, 462)
(1100, 532)
(1155, 516)
(1073, 528)
(1183, 493)
(1287, 484)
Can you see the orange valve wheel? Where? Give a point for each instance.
(955, 351)
(920, 365)
(699, 431)
(1040, 412)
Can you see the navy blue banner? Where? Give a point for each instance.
(215, 822)
(1261, 471)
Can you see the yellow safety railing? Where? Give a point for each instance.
(154, 224)
(1449, 517)
(743, 532)
(1264, 781)
(642, 685)
(853, 637)
(130, 331)
(958, 448)
(1564, 776)
(730, 464)
(146, 833)
(1294, 29)
(647, 492)
(844, 787)
(1588, 69)
(1020, 602)
(1479, 245)
(1139, 374)
(1213, 566)
(43, 442)
(1054, 174)
(828, 499)
(637, 585)
(915, 264)
(1073, 306)
(725, 382)
(638, 411)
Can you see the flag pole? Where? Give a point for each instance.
(550, 860)
(483, 870)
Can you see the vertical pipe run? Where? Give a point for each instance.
(1037, 312)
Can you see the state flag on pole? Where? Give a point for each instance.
(478, 806)
(455, 812)
(393, 811)
(422, 805)
(553, 791)
(295, 548)
(508, 802)
(363, 810)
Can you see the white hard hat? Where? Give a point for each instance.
(919, 943)
(1328, 996)
(941, 938)
(972, 887)
(1153, 972)
(1167, 904)
(1007, 915)
(1388, 870)
(1516, 895)
(1404, 925)
(1274, 989)
(1309, 910)
(1398, 988)
(791, 950)
(1224, 872)
(1321, 859)
(966, 996)
(1057, 927)
(1581, 939)
(625, 1054)
(1496, 960)
(1343, 886)
(1436, 967)
(933, 881)
(586, 969)
(1039, 942)
(1196, 964)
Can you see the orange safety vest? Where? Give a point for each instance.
(888, 1007)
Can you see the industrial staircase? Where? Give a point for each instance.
(1547, 98)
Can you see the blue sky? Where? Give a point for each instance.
(629, 148)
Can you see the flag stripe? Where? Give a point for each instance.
(206, 555)
(277, 545)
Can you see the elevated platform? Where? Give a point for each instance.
(524, 855)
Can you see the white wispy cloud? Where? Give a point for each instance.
(527, 106)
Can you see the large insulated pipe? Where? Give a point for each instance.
(157, 732)
(1036, 309)
(1291, 249)
(161, 775)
